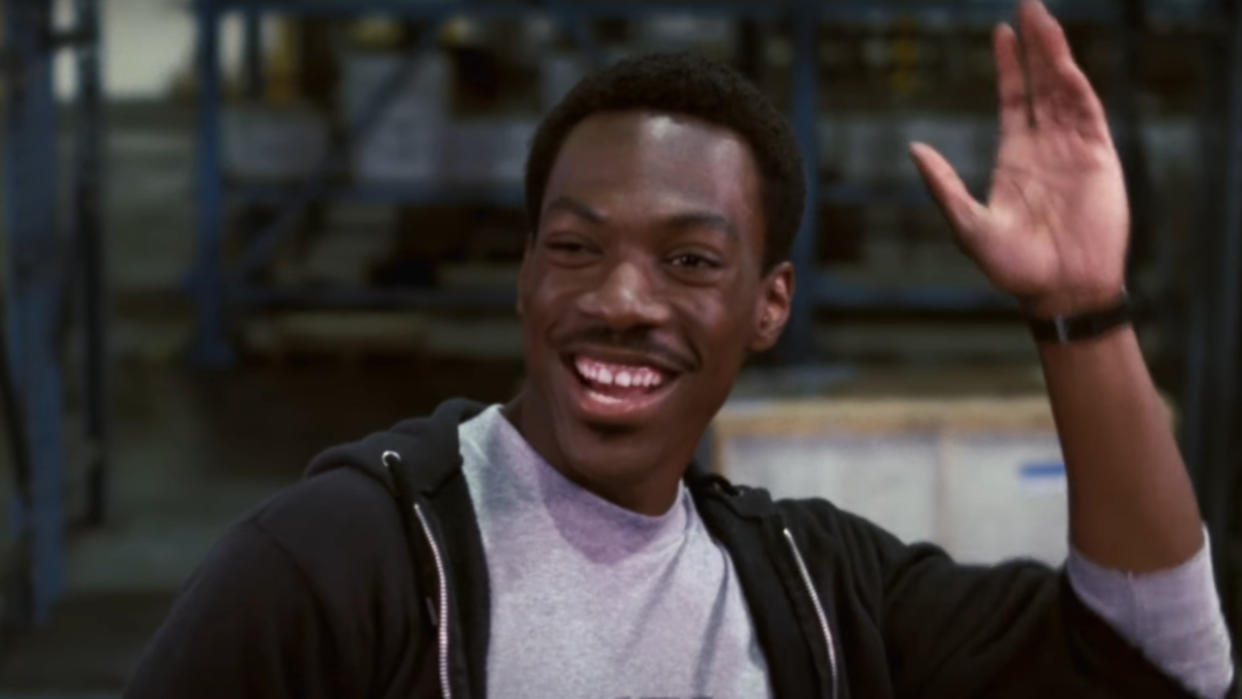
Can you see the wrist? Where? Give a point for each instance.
(1089, 324)
(1072, 302)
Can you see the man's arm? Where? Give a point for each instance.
(1131, 504)
(1053, 233)
(245, 625)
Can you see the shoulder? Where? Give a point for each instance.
(853, 542)
(817, 518)
(336, 521)
(314, 585)
(334, 498)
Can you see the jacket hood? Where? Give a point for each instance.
(430, 442)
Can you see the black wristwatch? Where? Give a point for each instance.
(1064, 329)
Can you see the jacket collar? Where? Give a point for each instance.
(431, 455)
(743, 501)
(428, 449)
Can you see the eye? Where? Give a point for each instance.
(568, 246)
(570, 250)
(693, 260)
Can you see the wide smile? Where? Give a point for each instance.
(608, 390)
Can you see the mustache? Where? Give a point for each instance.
(639, 340)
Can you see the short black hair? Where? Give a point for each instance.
(684, 83)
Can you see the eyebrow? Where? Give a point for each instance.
(688, 219)
(576, 208)
(703, 219)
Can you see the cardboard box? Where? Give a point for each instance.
(487, 151)
(982, 477)
(272, 143)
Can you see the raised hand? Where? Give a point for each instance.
(1054, 230)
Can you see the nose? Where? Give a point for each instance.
(625, 299)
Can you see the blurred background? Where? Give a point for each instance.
(237, 231)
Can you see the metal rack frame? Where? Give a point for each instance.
(1212, 401)
(46, 285)
(217, 290)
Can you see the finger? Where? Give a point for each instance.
(1040, 72)
(1079, 106)
(1065, 95)
(1049, 35)
(965, 214)
(1010, 82)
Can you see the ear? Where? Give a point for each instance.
(772, 307)
(524, 272)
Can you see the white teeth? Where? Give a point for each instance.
(603, 397)
(584, 367)
(597, 372)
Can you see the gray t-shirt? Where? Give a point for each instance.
(590, 600)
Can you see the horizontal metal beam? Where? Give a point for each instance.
(413, 193)
(968, 11)
(826, 292)
(832, 292)
(489, 297)
(511, 195)
(416, 8)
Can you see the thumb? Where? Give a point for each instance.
(964, 213)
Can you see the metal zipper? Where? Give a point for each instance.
(442, 632)
(819, 609)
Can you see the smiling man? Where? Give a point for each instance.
(563, 546)
(645, 284)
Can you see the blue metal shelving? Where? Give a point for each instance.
(218, 291)
(33, 297)
(45, 275)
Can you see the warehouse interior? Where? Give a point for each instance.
(236, 232)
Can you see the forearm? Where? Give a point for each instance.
(1131, 505)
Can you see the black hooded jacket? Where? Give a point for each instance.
(367, 579)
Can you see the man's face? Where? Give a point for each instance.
(641, 294)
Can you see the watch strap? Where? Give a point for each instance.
(1064, 329)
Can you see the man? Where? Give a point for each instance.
(558, 546)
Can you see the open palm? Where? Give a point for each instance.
(1054, 230)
